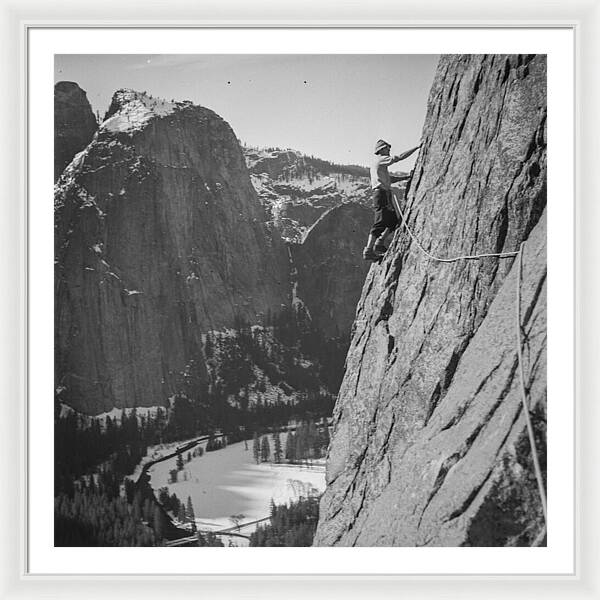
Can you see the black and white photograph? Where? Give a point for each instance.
(300, 300)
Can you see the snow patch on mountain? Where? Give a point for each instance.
(136, 110)
(296, 189)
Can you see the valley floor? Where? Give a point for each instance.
(228, 482)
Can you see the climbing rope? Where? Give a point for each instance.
(445, 260)
(536, 462)
(526, 411)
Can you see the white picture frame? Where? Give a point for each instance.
(17, 21)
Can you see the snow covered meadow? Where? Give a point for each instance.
(228, 482)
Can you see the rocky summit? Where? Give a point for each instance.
(74, 123)
(159, 236)
(430, 446)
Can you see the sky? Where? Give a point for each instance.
(332, 106)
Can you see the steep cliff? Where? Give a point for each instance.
(74, 124)
(330, 269)
(429, 444)
(296, 189)
(159, 236)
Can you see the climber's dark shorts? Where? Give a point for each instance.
(385, 215)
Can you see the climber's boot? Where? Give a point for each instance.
(370, 254)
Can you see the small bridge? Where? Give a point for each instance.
(228, 532)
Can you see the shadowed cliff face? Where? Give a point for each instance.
(330, 269)
(429, 443)
(74, 123)
(159, 235)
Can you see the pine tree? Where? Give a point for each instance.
(313, 441)
(179, 462)
(181, 516)
(290, 447)
(157, 523)
(325, 436)
(147, 510)
(255, 447)
(208, 347)
(265, 449)
(300, 440)
(262, 385)
(137, 506)
(277, 451)
(190, 513)
(163, 497)
(175, 504)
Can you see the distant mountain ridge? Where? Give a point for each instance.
(296, 189)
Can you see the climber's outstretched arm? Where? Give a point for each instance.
(406, 154)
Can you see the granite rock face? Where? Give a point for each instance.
(74, 124)
(330, 269)
(429, 445)
(159, 236)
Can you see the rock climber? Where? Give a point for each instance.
(386, 219)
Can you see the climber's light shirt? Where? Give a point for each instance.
(380, 178)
